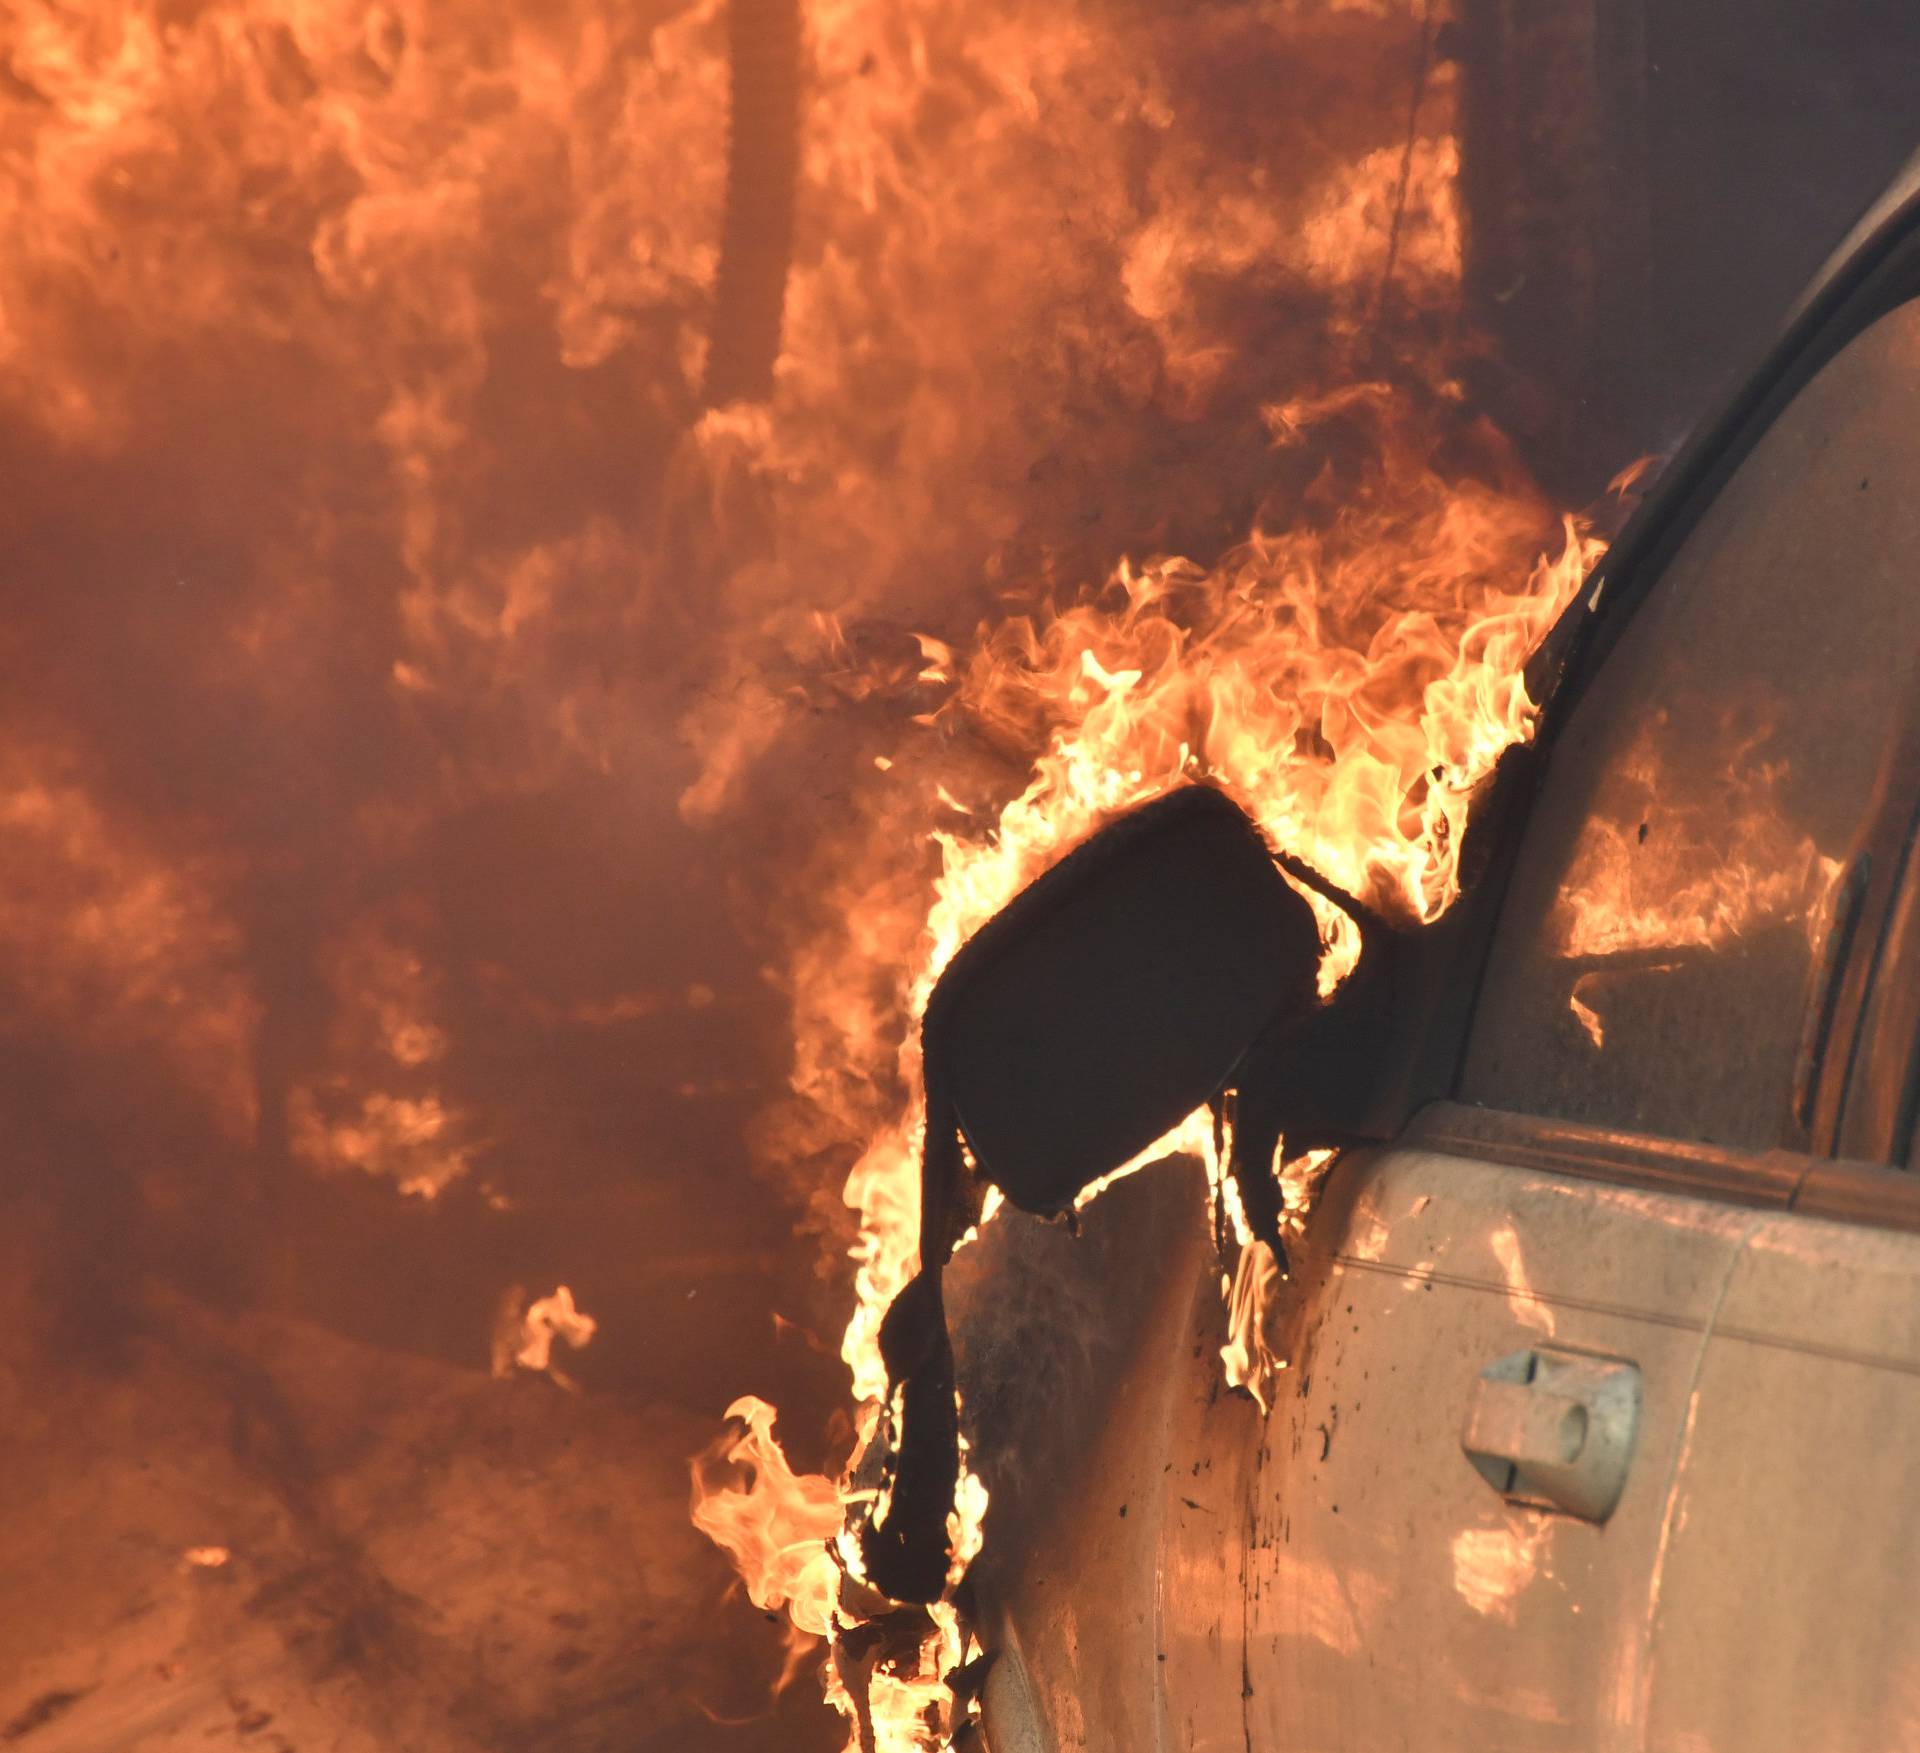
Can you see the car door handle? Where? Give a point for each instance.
(1555, 1430)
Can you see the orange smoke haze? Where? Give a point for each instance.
(481, 822)
(1350, 670)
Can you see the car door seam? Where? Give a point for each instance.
(1644, 1679)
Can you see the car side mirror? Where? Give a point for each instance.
(1116, 994)
(1112, 997)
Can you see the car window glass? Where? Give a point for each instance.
(1652, 964)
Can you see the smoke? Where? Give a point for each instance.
(468, 808)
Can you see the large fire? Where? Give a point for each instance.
(1350, 671)
(360, 356)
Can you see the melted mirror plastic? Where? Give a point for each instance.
(1116, 994)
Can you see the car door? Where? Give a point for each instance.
(1635, 1177)
(1676, 1030)
(1394, 1598)
(1780, 1617)
(1793, 1557)
(1730, 896)
(1634, 1173)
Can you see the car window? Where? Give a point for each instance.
(1653, 963)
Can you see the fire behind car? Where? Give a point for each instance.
(1600, 1426)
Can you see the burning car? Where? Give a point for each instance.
(1595, 1389)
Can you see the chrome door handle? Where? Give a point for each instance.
(1555, 1429)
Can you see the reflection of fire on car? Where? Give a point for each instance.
(1602, 1420)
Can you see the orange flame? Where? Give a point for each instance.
(787, 1536)
(1249, 1362)
(1351, 687)
(778, 1526)
(1350, 673)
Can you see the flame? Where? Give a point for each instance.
(1192, 1137)
(1249, 1362)
(1353, 725)
(1589, 1018)
(1026, 276)
(1300, 1179)
(778, 1526)
(527, 1332)
(787, 1535)
(1350, 672)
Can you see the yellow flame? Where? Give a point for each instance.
(1349, 673)
(1249, 1362)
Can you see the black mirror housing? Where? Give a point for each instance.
(1116, 993)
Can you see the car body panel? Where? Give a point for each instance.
(1783, 1611)
(1103, 1579)
(1339, 1575)
(1398, 1599)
